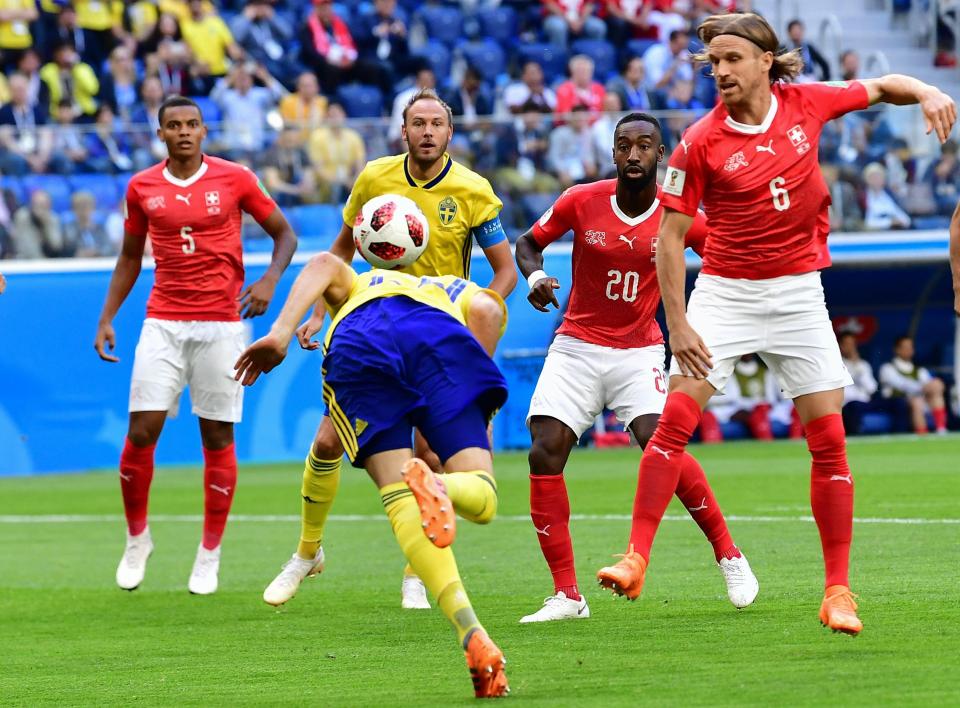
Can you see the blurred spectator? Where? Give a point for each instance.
(901, 379)
(102, 24)
(210, 41)
(815, 67)
(171, 64)
(29, 66)
(64, 31)
(571, 155)
(244, 109)
(602, 131)
(849, 65)
(69, 78)
(118, 86)
(327, 47)
(530, 87)
(666, 63)
(108, 149)
(845, 214)
(580, 88)
(263, 34)
(901, 168)
(629, 19)
(36, 229)
(856, 396)
(69, 150)
(522, 153)
(943, 176)
(288, 175)
(146, 121)
(881, 211)
(630, 86)
(142, 17)
(681, 98)
(576, 18)
(425, 79)
(338, 154)
(751, 397)
(24, 143)
(15, 37)
(167, 28)
(382, 40)
(305, 108)
(83, 237)
(471, 99)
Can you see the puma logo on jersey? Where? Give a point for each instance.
(685, 145)
(766, 148)
(183, 198)
(628, 241)
(225, 491)
(665, 453)
(542, 531)
(703, 505)
(126, 477)
(842, 478)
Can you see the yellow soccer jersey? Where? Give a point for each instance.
(448, 293)
(458, 203)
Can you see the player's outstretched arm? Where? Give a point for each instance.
(939, 110)
(125, 274)
(686, 345)
(256, 297)
(530, 261)
(324, 276)
(955, 257)
(344, 248)
(504, 271)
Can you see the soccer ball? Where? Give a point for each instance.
(390, 231)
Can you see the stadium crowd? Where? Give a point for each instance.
(301, 93)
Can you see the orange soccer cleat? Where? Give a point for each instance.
(436, 509)
(626, 577)
(839, 611)
(485, 661)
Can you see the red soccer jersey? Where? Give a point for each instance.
(614, 292)
(194, 227)
(760, 185)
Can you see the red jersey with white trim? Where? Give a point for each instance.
(194, 228)
(760, 185)
(614, 292)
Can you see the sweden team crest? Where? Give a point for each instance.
(447, 210)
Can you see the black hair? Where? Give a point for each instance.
(637, 117)
(793, 23)
(901, 339)
(176, 102)
(678, 33)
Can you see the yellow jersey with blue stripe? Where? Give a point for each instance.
(459, 205)
(447, 293)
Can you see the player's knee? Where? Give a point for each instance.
(643, 430)
(321, 260)
(934, 387)
(141, 436)
(326, 446)
(546, 456)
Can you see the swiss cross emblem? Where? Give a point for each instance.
(738, 159)
(797, 136)
(212, 200)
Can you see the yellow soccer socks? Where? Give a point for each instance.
(436, 566)
(321, 479)
(474, 495)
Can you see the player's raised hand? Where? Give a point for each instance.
(261, 357)
(939, 113)
(541, 294)
(307, 330)
(690, 351)
(256, 297)
(106, 340)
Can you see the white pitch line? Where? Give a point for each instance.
(291, 518)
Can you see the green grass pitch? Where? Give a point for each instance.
(69, 636)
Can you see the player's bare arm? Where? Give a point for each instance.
(955, 257)
(685, 344)
(3, 283)
(344, 248)
(485, 318)
(325, 276)
(530, 262)
(939, 110)
(256, 297)
(504, 272)
(125, 274)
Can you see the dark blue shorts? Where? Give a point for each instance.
(395, 364)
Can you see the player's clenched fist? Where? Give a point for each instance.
(255, 299)
(542, 294)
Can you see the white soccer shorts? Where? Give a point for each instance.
(783, 320)
(580, 379)
(174, 354)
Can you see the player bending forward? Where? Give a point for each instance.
(398, 356)
(752, 163)
(190, 206)
(460, 206)
(608, 353)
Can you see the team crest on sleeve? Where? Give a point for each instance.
(212, 200)
(674, 182)
(546, 217)
(447, 211)
(798, 139)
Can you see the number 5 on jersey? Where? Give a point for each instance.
(190, 246)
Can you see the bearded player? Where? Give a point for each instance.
(608, 353)
(190, 206)
(460, 206)
(752, 163)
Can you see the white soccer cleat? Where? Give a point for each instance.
(206, 567)
(559, 607)
(133, 564)
(742, 585)
(283, 587)
(413, 594)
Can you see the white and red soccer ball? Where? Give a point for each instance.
(390, 231)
